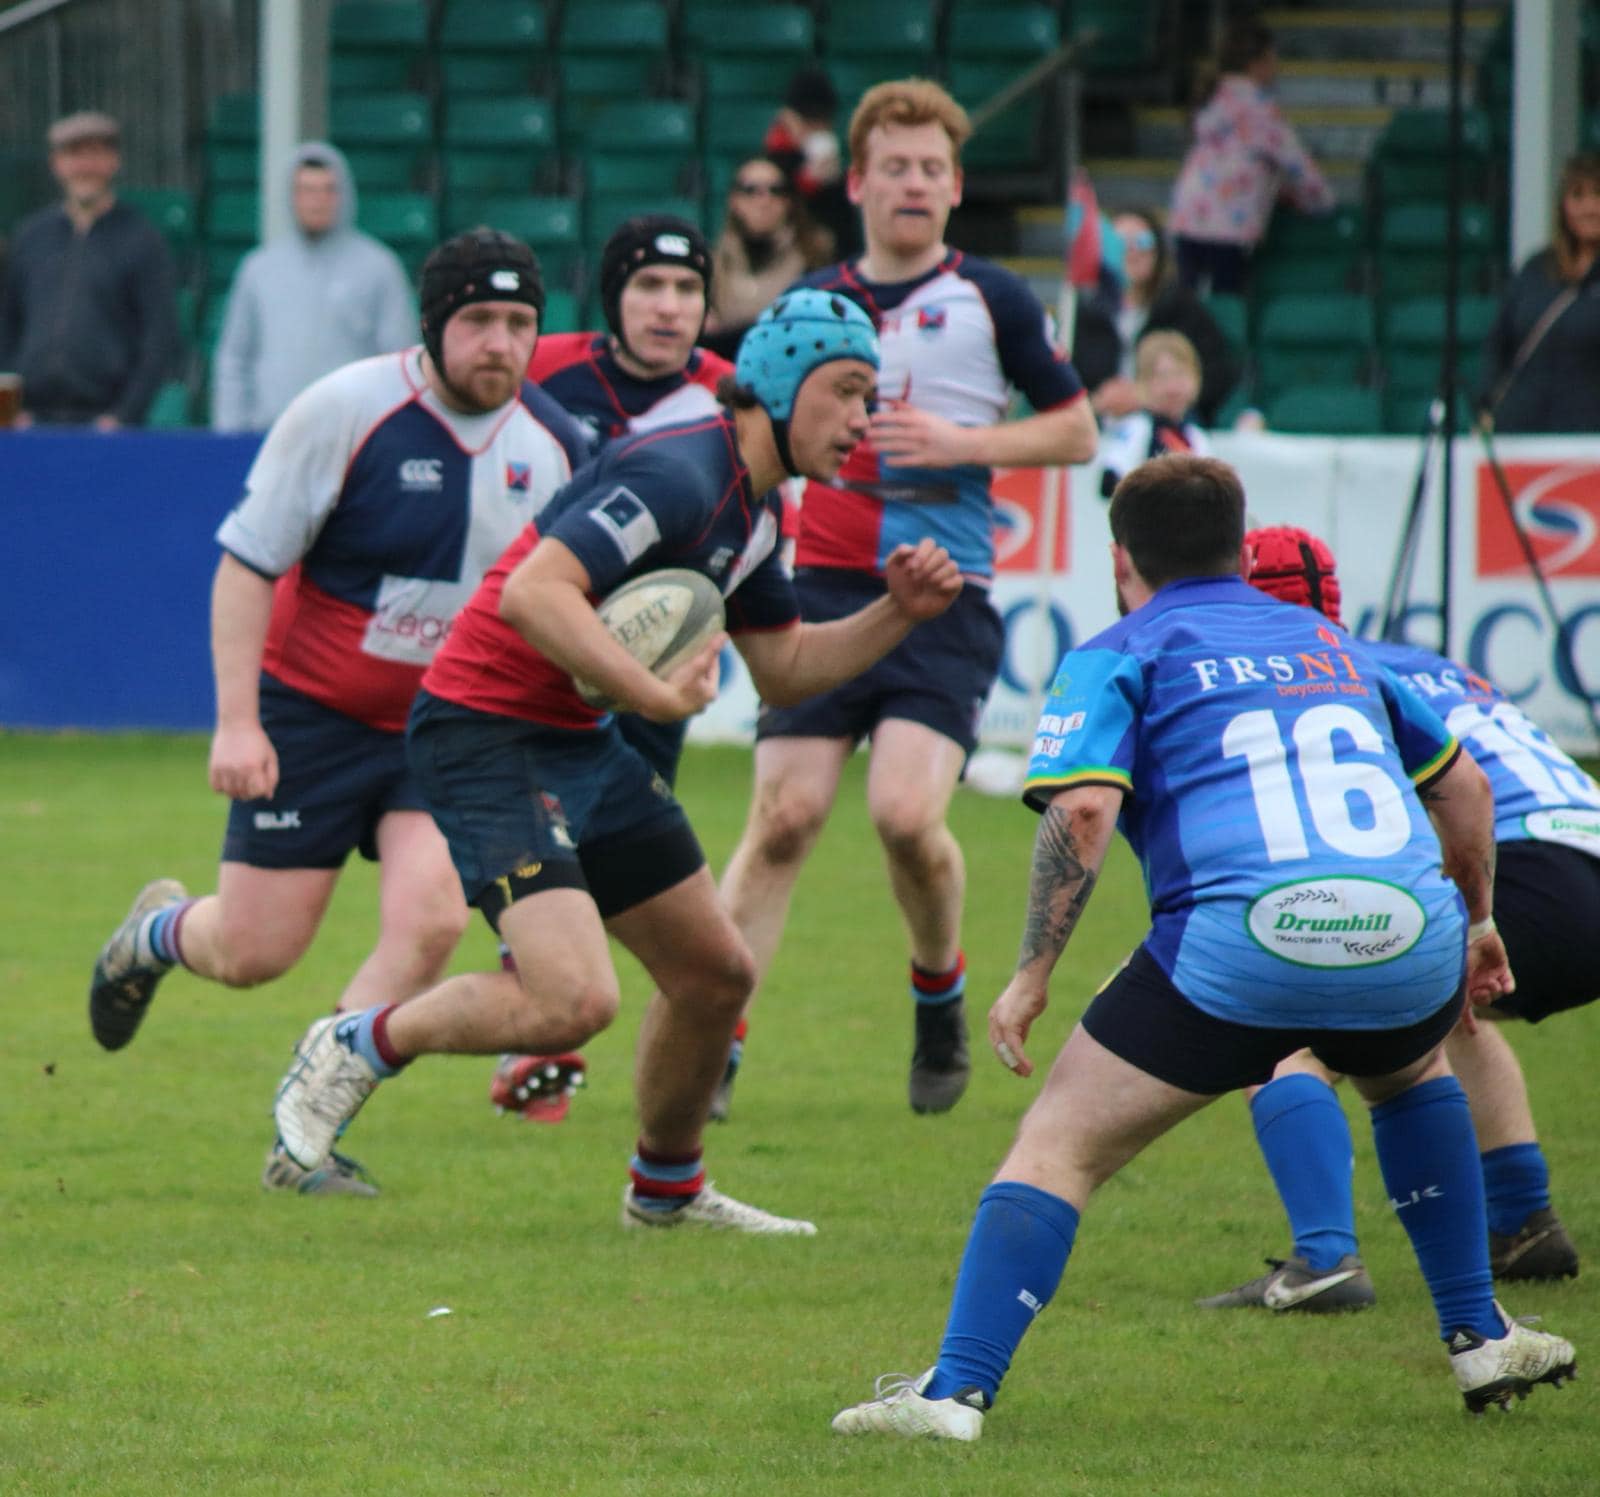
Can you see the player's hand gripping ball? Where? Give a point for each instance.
(660, 618)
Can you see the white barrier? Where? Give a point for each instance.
(1355, 494)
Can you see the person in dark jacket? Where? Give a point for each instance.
(1551, 382)
(88, 314)
(1108, 330)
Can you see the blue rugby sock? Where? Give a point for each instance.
(1306, 1142)
(1015, 1255)
(1516, 1183)
(1429, 1157)
(357, 1033)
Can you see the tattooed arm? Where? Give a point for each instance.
(1074, 833)
(1460, 805)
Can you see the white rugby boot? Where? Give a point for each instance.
(710, 1208)
(899, 1408)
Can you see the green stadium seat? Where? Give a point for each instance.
(1406, 412)
(898, 34)
(1409, 161)
(491, 47)
(170, 209)
(609, 27)
(725, 29)
(495, 145)
(563, 313)
(552, 226)
(169, 410)
(387, 137)
(235, 117)
(1303, 253)
(1342, 231)
(233, 217)
(1314, 339)
(853, 76)
(763, 78)
(1412, 248)
(736, 125)
(188, 308)
(1333, 410)
(1012, 140)
(1130, 33)
(382, 119)
(1412, 342)
(222, 259)
(655, 127)
(376, 44)
(402, 220)
(603, 212)
(232, 165)
(988, 32)
(613, 172)
(639, 147)
(1232, 315)
(1419, 321)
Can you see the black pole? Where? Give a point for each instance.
(1452, 292)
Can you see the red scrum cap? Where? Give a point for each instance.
(1292, 564)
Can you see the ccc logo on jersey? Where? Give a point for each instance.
(422, 473)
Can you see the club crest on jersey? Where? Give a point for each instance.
(717, 562)
(519, 477)
(422, 474)
(931, 319)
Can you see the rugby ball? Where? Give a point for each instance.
(659, 618)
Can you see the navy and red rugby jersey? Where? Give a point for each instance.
(580, 370)
(676, 497)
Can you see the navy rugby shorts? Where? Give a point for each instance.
(939, 675)
(1141, 1017)
(337, 778)
(1547, 906)
(527, 808)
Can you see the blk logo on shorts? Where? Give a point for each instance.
(277, 821)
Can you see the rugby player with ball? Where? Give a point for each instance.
(561, 832)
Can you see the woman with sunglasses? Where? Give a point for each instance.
(1108, 328)
(768, 242)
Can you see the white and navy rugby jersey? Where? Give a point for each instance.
(953, 342)
(377, 510)
(1268, 763)
(1539, 793)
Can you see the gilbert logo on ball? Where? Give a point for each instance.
(660, 618)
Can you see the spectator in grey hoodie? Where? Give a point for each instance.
(314, 299)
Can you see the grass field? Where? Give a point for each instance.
(166, 1327)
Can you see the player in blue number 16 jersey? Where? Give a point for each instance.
(1547, 885)
(1278, 787)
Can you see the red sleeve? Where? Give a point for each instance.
(557, 351)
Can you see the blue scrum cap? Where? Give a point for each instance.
(800, 331)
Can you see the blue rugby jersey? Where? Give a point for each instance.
(954, 341)
(1269, 764)
(1539, 793)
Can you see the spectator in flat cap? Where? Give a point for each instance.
(88, 315)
